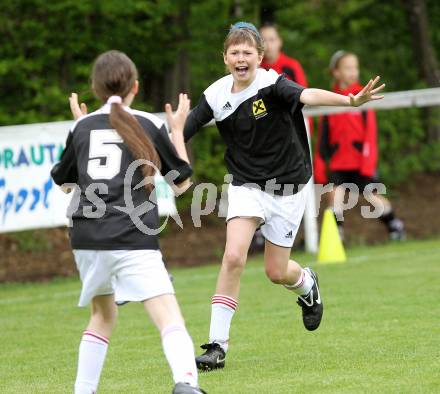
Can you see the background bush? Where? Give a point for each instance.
(48, 47)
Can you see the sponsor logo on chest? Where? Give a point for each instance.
(259, 109)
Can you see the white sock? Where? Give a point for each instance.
(222, 311)
(179, 351)
(303, 285)
(92, 352)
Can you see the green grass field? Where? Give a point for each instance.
(380, 332)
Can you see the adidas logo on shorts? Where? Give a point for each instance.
(289, 234)
(227, 106)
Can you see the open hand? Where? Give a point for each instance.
(368, 93)
(176, 121)
(77, 110)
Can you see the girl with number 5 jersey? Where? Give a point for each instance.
(117, 259)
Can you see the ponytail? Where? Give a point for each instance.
(138, 142)
(113, 77)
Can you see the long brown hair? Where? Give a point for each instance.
(114, 74)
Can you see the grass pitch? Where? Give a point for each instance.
(380, 332)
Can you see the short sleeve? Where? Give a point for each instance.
(65, 171)
(169, 158)
(289, 93)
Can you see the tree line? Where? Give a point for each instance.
(48, 48)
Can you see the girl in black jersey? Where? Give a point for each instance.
(107, 154)
(258, 113)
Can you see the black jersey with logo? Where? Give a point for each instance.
(263, 128)
(97, 160)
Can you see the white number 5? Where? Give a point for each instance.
(103, 146)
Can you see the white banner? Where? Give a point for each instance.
(28, 196)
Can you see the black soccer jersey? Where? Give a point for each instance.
(96, 155)
(263, 128)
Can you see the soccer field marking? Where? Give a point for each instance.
(430, 253)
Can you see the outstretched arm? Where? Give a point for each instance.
(65, 170)
(324, 97)
(77, 109)
(176, 123)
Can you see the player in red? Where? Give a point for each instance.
(277, 60)
(347, 145)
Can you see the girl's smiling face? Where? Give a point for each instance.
(242, 61)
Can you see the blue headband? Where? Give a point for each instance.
(245, 25)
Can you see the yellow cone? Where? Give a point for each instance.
(331, 249)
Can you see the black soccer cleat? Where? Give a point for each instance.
(185, 388)
(213, 358)
(311, 304)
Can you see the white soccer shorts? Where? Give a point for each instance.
(131, 275)
(280, 215)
